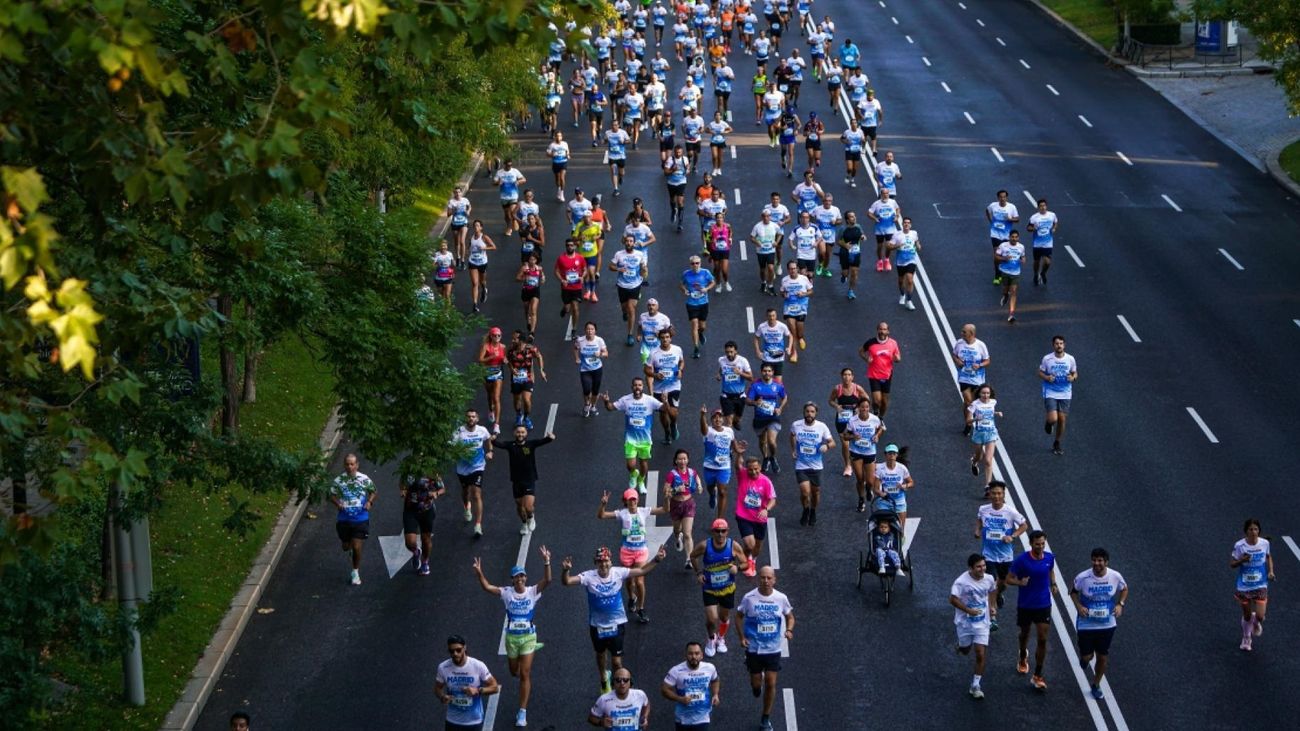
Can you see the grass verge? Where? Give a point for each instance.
(1290, 160)
(1096, 18)
(195, 554)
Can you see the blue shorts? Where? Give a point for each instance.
(987, 437)
(1057, 404)
(715, 477)
(897, 505)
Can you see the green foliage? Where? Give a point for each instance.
(1276, 25)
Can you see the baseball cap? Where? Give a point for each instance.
(812, 115)
(720, 524)
(517, 571)
(631, 494)
(891, 448)
(602, 554)
(494, 331)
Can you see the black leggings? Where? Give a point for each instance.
(591, 381)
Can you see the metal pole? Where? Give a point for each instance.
(128, 603)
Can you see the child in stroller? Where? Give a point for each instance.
(883, 527)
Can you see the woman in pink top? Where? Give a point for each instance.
(755, 498)
(720, 250)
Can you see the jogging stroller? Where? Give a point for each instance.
(885, 539)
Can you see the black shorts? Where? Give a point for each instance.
(751, 528)
(720, 255)
(806, 265)
(595, 116)
(778, 367)
(1039, 253)
(625, 293)
(813, 144)
(812, 477)
(796, 318)
(559, 167)
(528, 294)
(474, 479)
(517, 388)
(969, 387)
(721, 94)
(879, 384)
(418, 521)
(677, 190)
(449, 726)
(693, 147)
(997, 569)
(697, 312)
(523, 489)
(851, 156)
(666, 145)
(1026, 617)
(832, 87)
(766, 260)
(726, 601)
(1095, 641)
(570, 295)
(612, 645)
(769, 662)
(352, 531)
(591, 381)
(669, 398)
(905, 269)
(732, 405)
(480, 268)
(620, 162)
(871, 133)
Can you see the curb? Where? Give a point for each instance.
(185, 713)
(1273, 161)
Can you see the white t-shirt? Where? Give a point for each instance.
(764, 235)
(975, 595)
(994, 526)
(808, 439)
(694, 684)
(1002, 216)
(520, 609)
(589, 353)
(668, 364)
(971, 355)
(1042, 224)
(625, 712)
(464, 709)
(1098, 595)
(1059, 369)
(773, 338)
(629, 265)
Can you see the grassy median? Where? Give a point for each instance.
(1290, 160)
(1096, 18)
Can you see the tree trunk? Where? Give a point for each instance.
(251, 359)
(230, 381)
(106, 586)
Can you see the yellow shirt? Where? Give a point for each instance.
(588, 235)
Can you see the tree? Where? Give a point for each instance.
(1276, 25)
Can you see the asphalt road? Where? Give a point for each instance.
(1139, 475)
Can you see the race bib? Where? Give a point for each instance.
(520, 625)
(571, 277)
(592, 361)
(855, 249)
(807, 450)
(1098, 613)
(605, 631)
(462, 701)
(766, 628)
(625, 722)
(731, 378)
(846, 414)
(984, 424)
(1252, 577)
(753, 501)
(993, 535)
(636, 421)
(520, 376)
(1000, 225)
(767, 407)
(718, 579)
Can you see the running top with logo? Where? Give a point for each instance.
(1059, 369)
(1000, 225)
(1015, 254)
(870, 110)
(1037, 594)
(695, 686)
(630, 264)
(887, 173)
(886, 214)
(696, 283)
(808, 441)
(650, 327)
(805, 242)
(681, 484)
(578, 209)
(459, 211)
(984, 418)
(1098, 595)
(808, 195)
(975, 595)
(717, 448)
(636, 418)
(624, 713)
(773, 338)
(605, 598)
(1252, 575)
(667, 364)
(796, 291)
(753, 495)
(891, 480)
(764, 235)
(521, 364)
(444, 266)
(353, 491)
(616, 140)
(589, 353)
(733, 382)
(971, 355)
(719, 580)
(570, 269)
(675, 170)
(863, 434)
(906, 242)
(779, 215)
(853, 140)
(472, 440)
(508, 182)
(764, 620)
(640, 234)
(994, 526)
(882, 354)
(827, 217)
(520, 609)
(464, 709)
(1042, 225)
(634, 528)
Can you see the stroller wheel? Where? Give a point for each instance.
(862, 562)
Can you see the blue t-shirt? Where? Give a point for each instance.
(695, 282)
(1038, 593)
(768, 396)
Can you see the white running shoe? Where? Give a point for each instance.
(911, 305)
(727, 286)
(532, 523)
(902, 299)
(523, 529)
(356, 581)
(469, 514)
(976, 692)
(710, 647)
(722, 644)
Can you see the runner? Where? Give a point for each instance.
(758, 85)
(853, 138)
(1253, 561)
(1042, 226)
(1010, 255)
(809, 440)
(558, 151)
(718, 245)
(789, 125)
(796, 289)
(578, 207)
(479, 245)
(476, 445)
(520, 601)
(834, 82)
(651, 322)
(590, 236)
(880, 353)
(680, 486)
(849, 54)
(849, 249)
(616, 141)
(637, 225)
(605, 613)
(773, 343)
(634, 109)
(675, 168)
(418, 512)
(884, 212)
(755, 498)
(767, 237)
(444, 271)
(692, 685)
(998, 525)
(508, 180)
(638, 437)
(721, 448)
(532, 237)
(844, 399)
(1002, 217)
(570, 268)
(717, 561)
(906, 246)
(863, 433)
(773, 106)
(353, 493)
(665, 368)
(589, 353)
(970, 597)
(631, 268)
(707, 212)
(827, 217)
(1035, 573)
(532, 277)
(523, 473)
(972, 358)
(888, 174)
(981, 422)
(806, 242)
(813, 129)
(461, 683)
(806, 195)
(718, 131)
(872, 115)
(695, 284)
(765, 619)
(1058, 371)
(624, 707)
(634, 551)
(1099, 594)
(458, 209)
(524, 358)
(892, 482)
(492, 356)
(692, 130)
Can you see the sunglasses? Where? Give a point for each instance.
(719, 530)
(622, 680)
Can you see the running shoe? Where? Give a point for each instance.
(1003, 301)
(496, 428)
(688, 566)
(469, 514)
(803, 344)
(523, 529)
(880, 265)
(727, 286)
(1259, 628)
(641, 617)
(604, 683)
(993, 625)
(902, 299)
(911, 306)
(677, 433)
(997, 281)
(631, 339)
(1022, 665)
(679, 542)
(776, 467)
(794, 357)
(711, 647)
(424, 569)
(803, 517)
(1011, 319)
(696, 353)
(1056, 449)
(843, 277)
(974, 466)
(1043, 278)
(356, 581)
(751, 570)
(862, 505)
(889, 266)
(528, 422)
(521, 718)
(415, 558)
(852, 295)
(1038, 683)
(881, 570)
(478, 531)
(848, 471)
(594, 297)
(853, 183)
(532, 523)
(976, 693)
(1245, 642)
(1096, 692)
(722, 644)
(765, 724)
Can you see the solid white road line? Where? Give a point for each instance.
(749, 318)
(1124, 157)
(1032, 200)
(1085, 120)
(1070, 250)
(1201, 423)
(909, 39)
(1297, 322)
(926, 60)
(1171, 203)
(1291, 544)
(997, 154)
(969, 118)
(737, 196)
(772, 550)
(1024, 63)
(1053, 90)
(733, 152)
(1235, 263)
(977, 20)
(550, 419)
(787, 700)
(1001, 42)
(568, 328)
(1129, 328)
(744, 255)
(945, 86)
(490, 713)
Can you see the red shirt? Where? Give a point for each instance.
(569, 269)
(881, 365)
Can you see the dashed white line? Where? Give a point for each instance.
(1291, 544)
(1124, 157)
(737, 196)
(787, 700)
(1297, 322)
(1024, 63)
(1085, 120)
(1171, 203)
(1201, 423)
(1053, 90)
(882, 3)
(945, 86)
(1070, 250)
(909, 39)
(969, 118)
(927, 61)
(1029, 196)
(977, 20)
(1001, 42)
(894, 19)
(1234, 262)
(733, 152)
(961, 5)
(996, 154)
(772, 550)
(1129, 329)
(749, 318)
(744, 251)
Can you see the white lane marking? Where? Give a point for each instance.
(787, 700)
(737, 196)
(894, 19)
(927, 61)
(1124, 157)
(909, 39)
(1129, 328)
(1291, 544)
(935, 314)
(490, 713)
(1024, 63)
(1069, 250)
(882, 3)
(1201, 423)
(749, 318)
(945, 86)
(568, 328)
(845, 110)
(733, 152)
(977, 20)
(744, 255)
(909, 533)
(1032, 202)
(1053, 90)
(396, 557)
(997, 154)
(1085, 120)
(1001, 42)
(1235, 263)
(1171, 203)
(1297, 322)
(961, 5)
(550, 419)
(771, 544)
(969, 118)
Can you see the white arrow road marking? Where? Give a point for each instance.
(395, 554)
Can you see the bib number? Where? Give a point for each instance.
(605, 631)
(520, 625)
(1098, 613)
